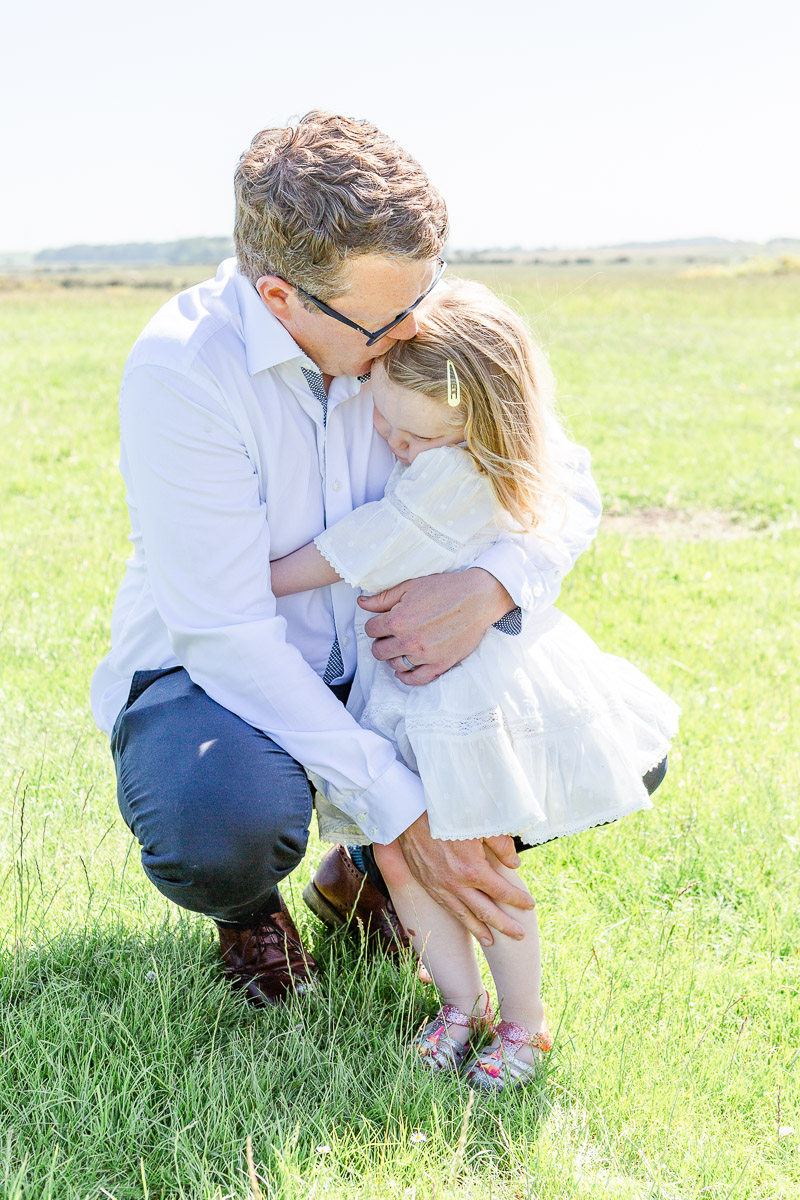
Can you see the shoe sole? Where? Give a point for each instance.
(330, 916)
(321, 908)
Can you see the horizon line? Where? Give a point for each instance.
(515, 248)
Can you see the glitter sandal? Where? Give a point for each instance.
(436, 1049)
(498, 1067)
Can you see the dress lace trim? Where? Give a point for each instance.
(493, 719)
(347, 576)
(538, 836)
(451, 544)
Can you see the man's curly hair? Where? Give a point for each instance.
(313, 195)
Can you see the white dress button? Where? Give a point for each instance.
(337, 485)
(345, 641)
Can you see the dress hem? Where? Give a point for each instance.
(533, 837)
(536, 836)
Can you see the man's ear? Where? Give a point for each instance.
(276, 294)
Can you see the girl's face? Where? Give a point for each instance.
(409, 422)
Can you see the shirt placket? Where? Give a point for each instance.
(335, 667)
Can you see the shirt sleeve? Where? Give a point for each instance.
(206, 537)
(531, 566)
(429, 512)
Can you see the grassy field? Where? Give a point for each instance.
(671, 942)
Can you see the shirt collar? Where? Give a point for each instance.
(267, 343)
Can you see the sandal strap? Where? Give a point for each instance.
(435, 1046)
(451, 1015)
(512, 1036)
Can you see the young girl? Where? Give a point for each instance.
(536, 735)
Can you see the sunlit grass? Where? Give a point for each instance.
(670, 941)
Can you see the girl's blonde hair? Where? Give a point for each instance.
(505, 390)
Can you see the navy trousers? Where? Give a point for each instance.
(221, 812)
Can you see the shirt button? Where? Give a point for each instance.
(337, 485)
(361, 816)
(372, 831)
(345, 641)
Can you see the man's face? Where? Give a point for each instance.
(379, 289)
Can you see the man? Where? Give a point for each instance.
(246, 427)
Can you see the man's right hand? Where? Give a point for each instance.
(459, 876)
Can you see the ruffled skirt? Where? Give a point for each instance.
(539, 735)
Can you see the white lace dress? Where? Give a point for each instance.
(539, 734)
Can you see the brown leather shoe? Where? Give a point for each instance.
(340, 894)
(269, 961)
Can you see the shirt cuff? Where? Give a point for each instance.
(510, 565)
(387, 807)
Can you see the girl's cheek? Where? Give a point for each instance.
(381, 428)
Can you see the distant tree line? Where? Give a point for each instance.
(183, 253)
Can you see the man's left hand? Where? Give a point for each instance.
(435, 621)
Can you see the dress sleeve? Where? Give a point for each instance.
(430, 510)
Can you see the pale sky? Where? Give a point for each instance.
(546, 122)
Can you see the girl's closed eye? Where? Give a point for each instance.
(410, 422)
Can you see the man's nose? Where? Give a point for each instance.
(407, 329)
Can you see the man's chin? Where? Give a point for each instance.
(354, 369)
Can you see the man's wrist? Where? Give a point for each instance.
(497, 600)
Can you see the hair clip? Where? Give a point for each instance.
(453, 386)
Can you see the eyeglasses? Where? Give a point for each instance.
(372, 338)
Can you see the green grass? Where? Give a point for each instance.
(670, 941)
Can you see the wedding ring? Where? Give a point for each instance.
(409, 665)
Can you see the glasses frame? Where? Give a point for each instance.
(372, 338)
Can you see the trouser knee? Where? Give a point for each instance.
(229, 868)
(220, 810)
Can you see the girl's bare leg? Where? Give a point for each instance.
(445, 946)
(517, 968)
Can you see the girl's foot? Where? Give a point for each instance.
(511, 1060)
(443, 1044)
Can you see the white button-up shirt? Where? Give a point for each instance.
(231, 456)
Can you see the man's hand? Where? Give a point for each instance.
(435, 621)
(458, 876)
